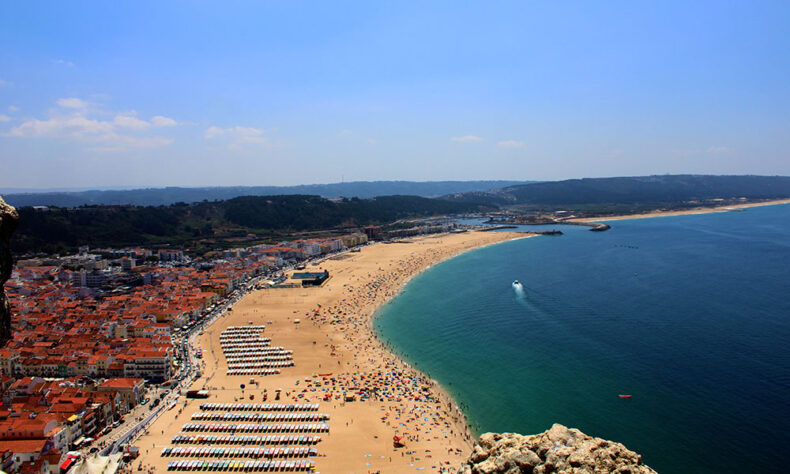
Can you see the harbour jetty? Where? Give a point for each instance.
(497, 227)
(532, 232)
(594, 226)
(512, 222)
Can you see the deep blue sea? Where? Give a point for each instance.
(689, 314)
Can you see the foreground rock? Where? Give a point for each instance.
(8, 222)
(558, 450)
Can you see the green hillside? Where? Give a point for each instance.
(60, 230)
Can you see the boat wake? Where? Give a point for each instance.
(519, 289)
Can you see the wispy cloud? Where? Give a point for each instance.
(4, 118)
(73, 122)
(236, 136)
(13, 108)
(130, 121)
(72, 103)
(510, 144)
(372, 141)
(467, 139)
(160, 121)
(60, 126)
(63, 62)
(6, 83)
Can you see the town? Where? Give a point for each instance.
(103, 340)
(100, 337)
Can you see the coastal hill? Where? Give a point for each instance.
(57, 230)
(214, 224)
(558, 449)
(639, 191)
(172, 195)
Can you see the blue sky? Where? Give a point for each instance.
(96, 94)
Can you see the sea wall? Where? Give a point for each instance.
(594, 226)
(9, 219)
(558, 450)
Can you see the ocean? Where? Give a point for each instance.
(690, 315)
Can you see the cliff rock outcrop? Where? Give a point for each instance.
(558, 450)
(9, 219)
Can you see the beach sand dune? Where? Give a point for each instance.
(336, 356)
(684, 212)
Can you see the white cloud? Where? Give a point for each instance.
(510, 144)
(72, 103)
(372, 141)
(128, 121)
(76, 124)
(5, 83)
(61, 126)
(160, 121)
(213, 132)
(63, 62)
(4, 118)
(236, 136)
(467, 139)
(13, 108)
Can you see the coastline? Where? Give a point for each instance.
(696, 210)
(443, 391)
(336, 335)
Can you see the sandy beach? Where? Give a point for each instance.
(696, 210)
(336, 354)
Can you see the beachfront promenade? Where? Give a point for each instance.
(339, 398)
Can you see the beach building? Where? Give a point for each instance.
(152, 364)
(310, 248)
(130, 390)
(171, 255)
(373, 232)
(8, 362)
(128, 264)
(30, 455)
(311, 278)
(354, 240)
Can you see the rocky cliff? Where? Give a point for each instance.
(8, 222)
(558, 450)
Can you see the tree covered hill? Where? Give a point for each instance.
(171, 195)
(644, 191)
(671, 188)
(61, 229)
(206, 223)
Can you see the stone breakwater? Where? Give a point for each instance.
(9, 219)
(558, 450)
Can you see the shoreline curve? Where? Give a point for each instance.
(337, 335)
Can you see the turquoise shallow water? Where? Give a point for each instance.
(689, 314)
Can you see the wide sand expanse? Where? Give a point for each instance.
(335, 336)
(696, 210)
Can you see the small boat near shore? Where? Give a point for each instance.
(624, 396)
